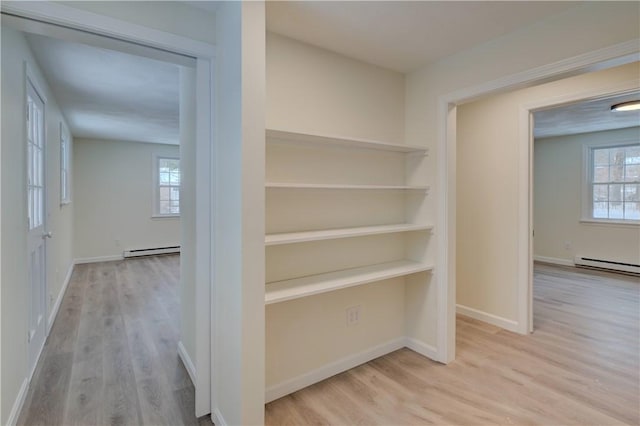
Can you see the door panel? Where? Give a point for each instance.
(36, 234)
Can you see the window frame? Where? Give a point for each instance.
(587, 182)
(156, 186)
(66, 157)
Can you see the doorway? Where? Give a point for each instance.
(186, 52)
(498, 152)
(584, 195)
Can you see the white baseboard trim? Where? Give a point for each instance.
(422, 348)
(56, 306)
(217, 418)
(501, 322)
(188, 364)
(554, 260)
(18, 403)
(289, 386)
(98, 259)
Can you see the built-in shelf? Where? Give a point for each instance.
(332, 234)
(340, 186)
(281, 291)
(309, 139)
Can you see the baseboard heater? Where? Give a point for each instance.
(151, 251)
(588, 262)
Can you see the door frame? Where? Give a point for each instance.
(124, 35)
(526, 141)
(31, 79)
(607, 57)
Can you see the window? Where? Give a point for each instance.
(65, 165)
(614, 182)
(167, 186)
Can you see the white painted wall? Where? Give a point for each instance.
(487, 197)
(239, 161)
(591, 26)
(313, 90)
(113, 184)
(13, 225)
(558, 168)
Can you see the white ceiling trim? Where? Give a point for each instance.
(71, 17)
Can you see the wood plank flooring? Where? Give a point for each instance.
(112, 357)
(581, 366)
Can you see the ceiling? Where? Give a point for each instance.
(585, 117)
(106, 94)
(403, 35)
(112, 95)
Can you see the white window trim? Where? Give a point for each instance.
(155, 207)
(65, 136)
(587, 175)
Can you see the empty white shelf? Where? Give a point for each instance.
(329, 234)
(308, 139)
(340, 186)
(280, 291)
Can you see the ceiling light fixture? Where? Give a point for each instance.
(626, 106)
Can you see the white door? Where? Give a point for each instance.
(36, 234)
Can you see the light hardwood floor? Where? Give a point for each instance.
(111, 357)
(579, 367)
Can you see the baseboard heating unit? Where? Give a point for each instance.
(588, 262)
(151, 251)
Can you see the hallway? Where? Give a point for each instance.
(111, 357)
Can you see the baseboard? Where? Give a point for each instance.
(56, 306)
(289, 386)
(217, 418)
(188, 364)
(505, 323)
(422, 348)
(554, 260)
(111, 258)
(18, 403)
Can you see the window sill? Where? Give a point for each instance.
(165, 216)
(611, 222)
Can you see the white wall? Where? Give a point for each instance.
(313, 90)
(558, 169)
(487, 197)
(239, 161)
(14, 286)
(113, 184)
(591, 26)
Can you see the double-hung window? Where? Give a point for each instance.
(167, 186)
(613, 176)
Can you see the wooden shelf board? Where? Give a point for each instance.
(283, 185)
(309, 139)
(329, 234)
(281, 291)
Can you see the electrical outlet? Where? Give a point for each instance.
(567, 245)
(117, 240)
(353, 315)
(50, 299)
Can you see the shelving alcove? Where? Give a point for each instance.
(345, 225)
